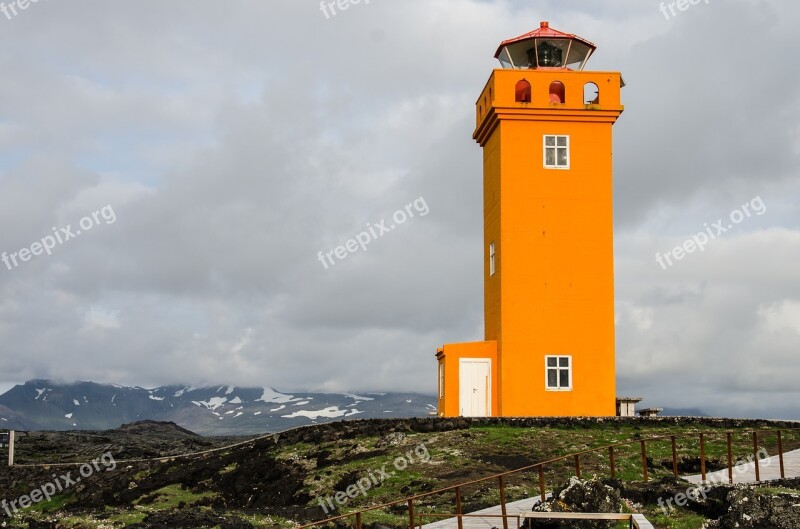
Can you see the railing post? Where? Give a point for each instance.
(780, 454)
(411, 514)
(613, 463)
(458, 508)
(730, 458)
(703, 458)
(644, 460)
(578, 466)
(503, 501)
(11, 435)
(358, 521)
(542, 494)
(674, 457)
(755, 456)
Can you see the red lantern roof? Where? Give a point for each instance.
(543, 31)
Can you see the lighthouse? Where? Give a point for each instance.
(544, 123)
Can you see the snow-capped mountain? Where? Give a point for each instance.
(218, 410)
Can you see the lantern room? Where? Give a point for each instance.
(545, 48)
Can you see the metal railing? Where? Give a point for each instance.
(575, 458)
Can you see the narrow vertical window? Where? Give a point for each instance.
(491, 259)
(558, 373)
(556, 152)
(441, 380)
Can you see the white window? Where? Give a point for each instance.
(491, 259)
(558, 373)
(556, 152)
(441, 380)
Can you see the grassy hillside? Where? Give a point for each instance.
(296, 478)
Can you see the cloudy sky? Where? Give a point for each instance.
(208, 151)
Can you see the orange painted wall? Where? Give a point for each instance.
(449, 355)
(553, 290)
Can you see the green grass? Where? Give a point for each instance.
(171, 496)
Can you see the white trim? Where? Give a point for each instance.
(487, 361)
(558, 370)
(441, 380)
(556, 147)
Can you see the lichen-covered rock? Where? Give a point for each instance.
(750, 508)
(581, 496)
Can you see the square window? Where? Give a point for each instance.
(558, 373)
(556, 152)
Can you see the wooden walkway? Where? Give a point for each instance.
(769, 470)
(488, 518)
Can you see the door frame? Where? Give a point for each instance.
(487, 361)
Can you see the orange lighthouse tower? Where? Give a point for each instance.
(545, 127)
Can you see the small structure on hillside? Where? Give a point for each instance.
(626, 406)
(650, 412)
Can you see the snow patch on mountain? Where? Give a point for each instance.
(270, 395)
(329, 412)
(212, 404)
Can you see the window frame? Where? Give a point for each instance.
(441, 381)
(492, 266)
(558, 369)
(555, 148)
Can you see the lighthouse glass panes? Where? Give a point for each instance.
(559, 373)
(545, 53)
(556, 152)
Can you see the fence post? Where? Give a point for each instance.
(542, 494)
(613, 463)
(730, 458)
(358, 521)
(755, 455)
(780, 454)
(674, 457)
(11, 448)
(503, 501)
(411, 514)
(703, 458)
(458, 508)
(644, 460)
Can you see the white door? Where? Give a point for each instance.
(475, 387)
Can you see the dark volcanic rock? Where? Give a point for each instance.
(191, 518)
(751, 509)
(582, 496)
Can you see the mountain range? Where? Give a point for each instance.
(215, 410)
